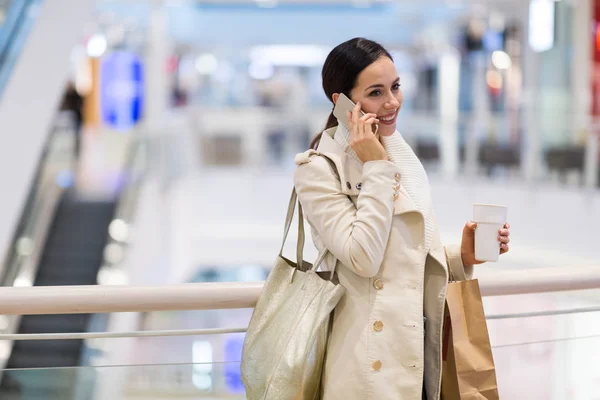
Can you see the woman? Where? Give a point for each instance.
(373, 212)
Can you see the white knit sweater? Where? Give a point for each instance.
(414, 178)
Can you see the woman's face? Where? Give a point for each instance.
(378, 91)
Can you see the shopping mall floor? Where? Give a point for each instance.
(227, 222)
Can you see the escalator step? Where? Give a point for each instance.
(54, 323)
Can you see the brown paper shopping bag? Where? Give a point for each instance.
(468, 370)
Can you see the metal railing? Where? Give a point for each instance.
(239, 295)
(233, 295)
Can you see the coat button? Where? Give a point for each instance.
(378, 284)
(376, 365)
(396, 196)
(348, 185)
(397, 177)
(378, 326)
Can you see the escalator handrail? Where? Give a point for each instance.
(16, 16)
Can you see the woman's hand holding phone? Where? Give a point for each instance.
(362, 139)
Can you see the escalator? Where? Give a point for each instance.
(72, 255)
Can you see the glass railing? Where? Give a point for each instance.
(167, 381)
(550, 370)
(18, 17)
(558, 369)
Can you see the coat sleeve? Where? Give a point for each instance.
(460, 271)
(357, 235)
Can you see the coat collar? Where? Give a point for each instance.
(350, 171)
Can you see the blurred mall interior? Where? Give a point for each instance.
(152, 143)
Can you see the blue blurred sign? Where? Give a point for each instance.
(121, 90)
(233, 351)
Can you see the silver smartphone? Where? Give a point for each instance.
(342, 107)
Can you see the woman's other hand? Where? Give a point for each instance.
(468, 242)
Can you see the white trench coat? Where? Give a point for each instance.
(377, 349)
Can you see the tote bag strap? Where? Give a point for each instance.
(288, 223)
(301, 235)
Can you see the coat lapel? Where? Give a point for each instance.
(404, 204)
(437, 252)
(350, 171)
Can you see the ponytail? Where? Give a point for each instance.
(331, 122)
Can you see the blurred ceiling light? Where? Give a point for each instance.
(111, 276)
(290, 55)
(206, 64)
(494, 79)
(541, 25)
(97, 45)
(118, 230)
(114, 253)
(501, 60)
(23, 281)
(261, 70)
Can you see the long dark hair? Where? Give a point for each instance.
(342, 67)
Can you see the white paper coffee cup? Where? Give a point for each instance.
(490, 219)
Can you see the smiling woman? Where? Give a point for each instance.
(378, 91)
(350, 69)
(367, 199)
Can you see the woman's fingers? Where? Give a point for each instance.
(365, 124)
(369, 123)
